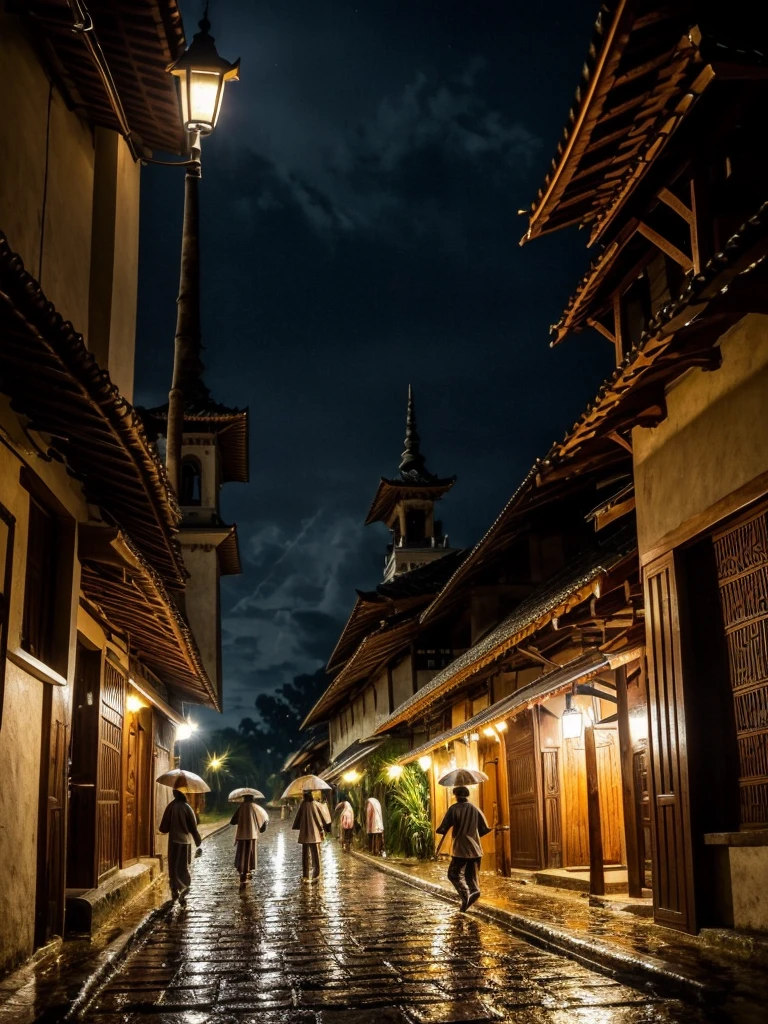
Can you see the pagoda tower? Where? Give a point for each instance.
(214, 452)
(406, 504)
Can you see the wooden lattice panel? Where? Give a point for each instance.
(742, 568)
(110, 769)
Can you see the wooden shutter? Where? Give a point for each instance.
(524, 800)
(741, 553)
(673, 901)
(110, 768)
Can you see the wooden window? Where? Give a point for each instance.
(37, 636)
(191, 482)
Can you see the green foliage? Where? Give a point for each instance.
(409, 823)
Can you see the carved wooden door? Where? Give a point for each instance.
(49, 903)
(110, 769)
(131, 786)
(741, 553)
(673, 901)
(524, 796)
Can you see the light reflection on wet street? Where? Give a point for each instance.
(360, 946)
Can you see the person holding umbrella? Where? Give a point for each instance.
(374, 826)
(179, 823)
(312, 822)
(346, 823)
(469, 825)
(250, 820)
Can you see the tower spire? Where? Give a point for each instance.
(411, 460)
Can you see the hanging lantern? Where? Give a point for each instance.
(425, 762)
(394, 771)
(201, 75)
(183, 731)
(351, 777)
(571, 721)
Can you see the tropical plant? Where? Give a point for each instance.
(409, 823)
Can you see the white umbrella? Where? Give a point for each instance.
(238, 795)
(462, 777)
(186, 781)
(304, 784)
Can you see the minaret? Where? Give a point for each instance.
(407, 505)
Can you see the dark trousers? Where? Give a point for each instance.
(347, 834)
(375, 843)
(179, 859)
(310, 860)
(462, 874)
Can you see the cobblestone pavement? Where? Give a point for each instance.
(360, 946)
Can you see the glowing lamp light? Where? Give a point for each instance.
(183, 731)
(134, 703)
(394, 771)
(501, 727)
(352, 777)
(425, 762)
(571, 721)
(490, 732)
(474, 737)
(638, 727)
(201, 75)
(215, 763)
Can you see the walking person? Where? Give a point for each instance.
(469, 825)
(346, 824)
(251, 820)
(312, 822)
(179, 823)
(374, 826)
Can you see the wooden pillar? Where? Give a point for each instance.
(702, 226)
(503, 843)
(631, 837)
(596, 876)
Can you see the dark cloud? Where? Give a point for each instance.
(359, 232)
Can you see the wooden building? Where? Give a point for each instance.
(661, 162)
(97, 654)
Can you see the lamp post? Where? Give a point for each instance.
(201, 75)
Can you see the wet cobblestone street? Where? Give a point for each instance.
(360, 946)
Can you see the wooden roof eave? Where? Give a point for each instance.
(578, 138)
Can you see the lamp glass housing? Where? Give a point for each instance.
(572, 723)
(201, 75)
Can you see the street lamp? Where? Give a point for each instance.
(571, 720)
(201, 75)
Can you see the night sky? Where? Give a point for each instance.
(360, 233)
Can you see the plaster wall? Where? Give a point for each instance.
(402, 682)
(749, 875)
(21, 739)
(46, 177)
(382, 697)
(202, 602)
(713, 442)
(115, 267)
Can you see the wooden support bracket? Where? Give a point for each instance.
(666, 246)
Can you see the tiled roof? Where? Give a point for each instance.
(586, 666)
(372, 607)
(389, 492)
(547, 600)
(138, 39)
(643, 73)
(661, 356)
(132, 597)
(55, 381)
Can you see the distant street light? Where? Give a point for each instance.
(201, 75)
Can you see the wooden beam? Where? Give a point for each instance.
(601, 330)
(596, 874)
(626, 760)
(621, 441)
(671, 200)
(617, 340)
(702, 234)
(532, 652)
(665, 245)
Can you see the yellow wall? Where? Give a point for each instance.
(713, 442)
(52, 208)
